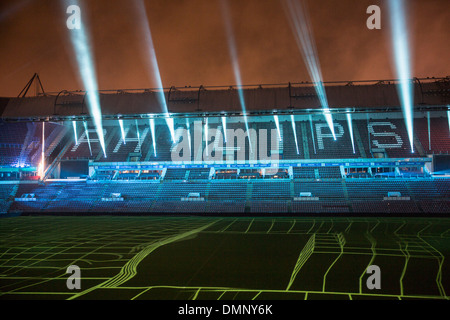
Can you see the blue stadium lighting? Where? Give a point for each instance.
(277, 123)
(350, 129)
(448, 118)
(295, 132)
(206, 135)
(138, 135)
(156, 75)
(429, 130)
(87, 136)
(74, 124)
(235, 62)
(171, 128)
(224, 125)
(312, 133)
(188, 128)
(301, 27)
(41, 168)
(152, 131)
(400, 43)
(329, 121)
(122, 130)
(83, 53)
(170, 124)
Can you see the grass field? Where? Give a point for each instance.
(224, 258)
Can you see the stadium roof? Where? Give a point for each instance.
(429, 93)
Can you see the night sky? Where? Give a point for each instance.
(191, 46)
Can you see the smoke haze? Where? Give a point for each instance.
(191, 46)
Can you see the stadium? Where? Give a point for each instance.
(280, 158)
(236, 192)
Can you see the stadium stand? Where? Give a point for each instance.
(330, 172)
(199, 173)
(226, 206)
(439, 135)
(320, 207)
(154, 184)
(322, 189)
(271, 190)
(176, 174)
(304, 172)
(273, 206)
(367, 189)
(177, 190)
(223, 190)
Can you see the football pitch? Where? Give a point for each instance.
(223, 258)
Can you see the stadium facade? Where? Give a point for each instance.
(279, 157)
